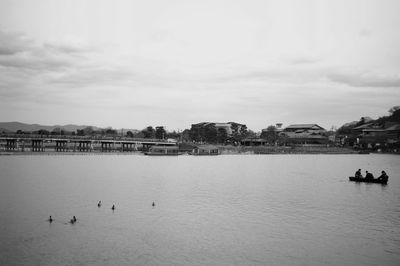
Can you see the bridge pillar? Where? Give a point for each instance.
(61, 145)
(124, 146)
(84, 145)
(11, 144)
(107, 146)
(37, 145)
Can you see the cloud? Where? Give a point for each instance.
(19, 52)
(366, 79)
(13, 42)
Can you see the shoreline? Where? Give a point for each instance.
(223, 152)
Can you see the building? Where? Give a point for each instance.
(372, 136)
(226, 126)
(304, 134)
(208, 131)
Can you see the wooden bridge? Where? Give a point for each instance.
(84, 144)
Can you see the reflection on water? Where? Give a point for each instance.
(223, 210)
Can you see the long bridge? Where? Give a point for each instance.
(77, 144)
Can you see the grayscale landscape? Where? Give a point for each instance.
(185, 132)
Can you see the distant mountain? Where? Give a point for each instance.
(10, 127)
(15, 126)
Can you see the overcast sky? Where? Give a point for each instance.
(174, 63)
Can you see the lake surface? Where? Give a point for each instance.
(223, 210)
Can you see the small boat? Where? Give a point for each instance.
(362, 179)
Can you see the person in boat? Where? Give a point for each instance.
(153, 204)
(368, 175)
(383, 176)
(50, 219)
(113, 207)
(99, 204)
(74, 218)
(72, 221)
(358, 173)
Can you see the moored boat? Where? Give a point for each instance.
(362, 179)
(164, 151)
(205, 150)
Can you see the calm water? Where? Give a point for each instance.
(225, 210)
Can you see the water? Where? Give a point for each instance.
(222, 210)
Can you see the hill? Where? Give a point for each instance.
(15, 126)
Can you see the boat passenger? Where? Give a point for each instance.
(50, 219)
(368, 175)
(99, 204)
(74, 218)
(383, 176)
(72, 221)
(113, 207)
(153, 204)
(358, 173)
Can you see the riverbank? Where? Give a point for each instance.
(224, 149)
(285, 150)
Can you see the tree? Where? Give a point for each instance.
(160, 132)
(395, 114)
(129, 134)
(174, 135)
(210, 133)
(44, 132)
(394, 109)
(149, 132)
(111, 132)
(222, 135)
(196, 133)
(185, 135)
(139, 135)
(250, 134)
(88, 131)
(235, 132)
(270, 134)
(56, 131)
(243, 131)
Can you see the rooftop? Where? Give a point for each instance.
(301, 126)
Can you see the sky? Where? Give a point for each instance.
(131, 64)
